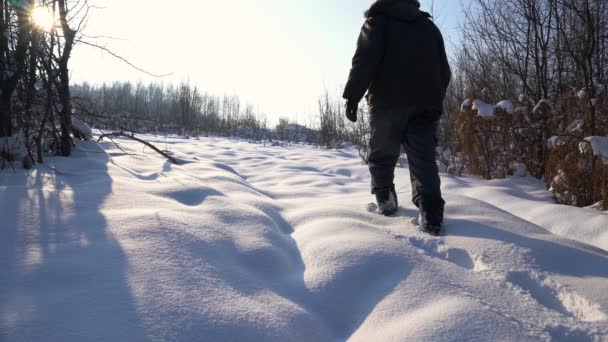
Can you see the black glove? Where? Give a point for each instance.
(351, 110)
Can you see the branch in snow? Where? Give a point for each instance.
(156, 149)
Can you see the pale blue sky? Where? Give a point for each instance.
(275, 54)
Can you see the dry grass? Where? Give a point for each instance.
(491, 147)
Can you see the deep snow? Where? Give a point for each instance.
(246, 242)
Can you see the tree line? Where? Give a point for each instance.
(185, 109)
(154, 107)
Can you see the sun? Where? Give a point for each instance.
(43, 18)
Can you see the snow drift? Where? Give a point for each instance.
(246, 242)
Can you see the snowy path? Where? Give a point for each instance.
(251, 243)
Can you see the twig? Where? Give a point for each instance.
(102, 37)
(105, 49)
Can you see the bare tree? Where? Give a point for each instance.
(16, 27)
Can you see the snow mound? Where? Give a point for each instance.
(506, 105)
(581, 94)
(38, 85)
(259, 243)
(575, 126)
(487, 110)
(466, 104)
(599, 146)
(522, 98)
(82, 128)
(483, 109)
(556, 141)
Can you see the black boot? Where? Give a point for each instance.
(387, 200)
(430, 219)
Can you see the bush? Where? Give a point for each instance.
(492, 145)
(575, 175)
(495, 141)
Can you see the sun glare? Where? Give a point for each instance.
(43, 18)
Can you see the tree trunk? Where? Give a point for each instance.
(9, 82)
(6, 124)
(65, 115)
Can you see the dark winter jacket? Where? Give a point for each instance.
(400, 59)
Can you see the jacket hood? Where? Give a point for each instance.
(406, 10)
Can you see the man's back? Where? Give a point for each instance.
(400, 58)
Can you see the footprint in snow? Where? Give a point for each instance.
(440, 249)
(556, 297)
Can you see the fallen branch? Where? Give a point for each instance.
(120, 148)
(122, 134)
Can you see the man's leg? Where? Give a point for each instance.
(385, 148)
(420, 142)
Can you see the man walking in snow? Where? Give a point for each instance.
(402, 65)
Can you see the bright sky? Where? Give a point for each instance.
(275, 54)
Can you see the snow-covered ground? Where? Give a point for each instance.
(246, 242)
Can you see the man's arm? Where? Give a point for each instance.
(370, 50)
(446, 72)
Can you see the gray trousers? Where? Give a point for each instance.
(417, 133)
